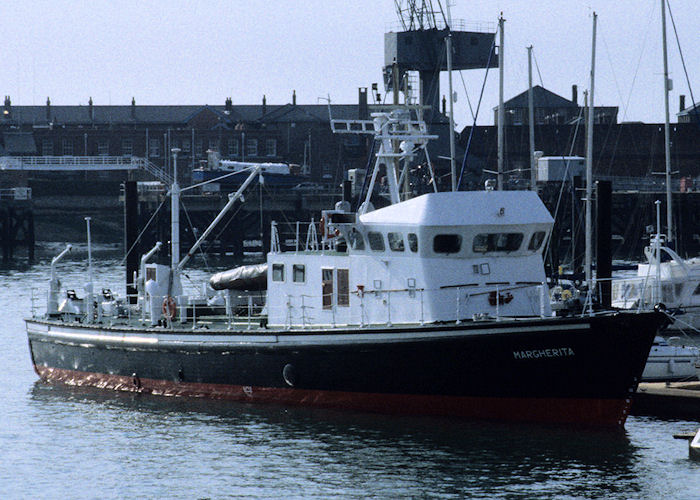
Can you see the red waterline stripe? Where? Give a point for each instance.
(597, 412)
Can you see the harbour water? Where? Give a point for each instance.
(68, 442)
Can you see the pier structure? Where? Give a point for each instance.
(16, 222)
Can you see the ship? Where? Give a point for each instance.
(436, 304)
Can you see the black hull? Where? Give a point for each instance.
(582, 370)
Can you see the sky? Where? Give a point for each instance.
(201, 52)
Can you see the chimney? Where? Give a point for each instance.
(7, 112)
(363, 110)
(574, 94)
(229, 105)
(48, 109)
(681, 104)
(264, 106)
(91, 111)
(133, 107)
(294, 97)
(444, 105)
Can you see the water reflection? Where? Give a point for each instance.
(375, 453)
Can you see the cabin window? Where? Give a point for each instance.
(413, 242)
(396, 242)
(497, 242)
(536, 241)
(277, 272)
(697, 290)
(447, 243)
(357, 242)
(343, 288)
(376, 241)
(327, 288)
(298, 273)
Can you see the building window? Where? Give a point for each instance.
(213, 144)
(298, 273)
(154, 148)
(199, 147)
(277, 272)
(103, 147)
(68, 147)
(47, 147)
(186, 146)
(233, 148)
(127, 146)
(251, 147)
(271, 147)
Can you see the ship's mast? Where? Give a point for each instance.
(667, 133)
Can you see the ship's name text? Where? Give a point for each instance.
(559, 352)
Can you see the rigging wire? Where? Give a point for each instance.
(138, 238)
(478, 106)
(685, 69)
(189, 221)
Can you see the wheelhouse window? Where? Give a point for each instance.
(497, 242)
(355, 239)
(536, 241)
(376, 241)
(447, 243)
(396, 242)
(277, 272)
(697, 290)
(298, 273)
(413, 242)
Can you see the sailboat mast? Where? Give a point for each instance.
(501, 109)
(667, 132)
(531, 120)
(453, 167)
(589, 166)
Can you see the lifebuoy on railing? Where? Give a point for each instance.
(169, 307)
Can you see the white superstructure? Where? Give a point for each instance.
(438, 257)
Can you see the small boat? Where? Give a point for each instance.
(667, 279)
(670, 361)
